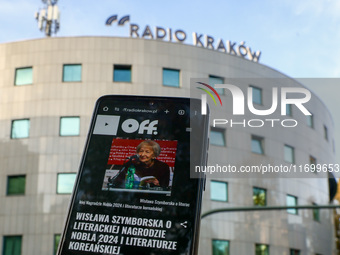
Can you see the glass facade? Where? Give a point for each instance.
(292, 201)
(72, 73)
(259, 196)
(257, 144)
(220, 247)
(69, 126)
(65, 183)
(20, 128)
(171, 77)
(219, 191)
(122, 73)
(12, 245)
(23, 76)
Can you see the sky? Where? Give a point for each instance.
(299, 38)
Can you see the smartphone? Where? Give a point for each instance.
(134, 193)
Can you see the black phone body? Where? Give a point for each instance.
(122, 203)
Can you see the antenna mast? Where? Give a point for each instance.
(49, 17)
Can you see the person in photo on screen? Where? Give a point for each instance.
(148, 151)
(150, 171)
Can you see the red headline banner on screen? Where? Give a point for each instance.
(121, 149)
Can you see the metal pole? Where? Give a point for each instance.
(267, 208)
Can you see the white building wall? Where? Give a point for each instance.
(39, 214)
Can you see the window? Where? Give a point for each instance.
(316, 213)
(122, 73)
(310, 121)
(72, 73)
(23, 76)
(69, 126)
(289, 110)
(171, 77)
(257, 144)
(325, 132)
(292, 201)
(219, 191)
(257, 95)
(220, 247)
(289, 154)
(20, 128)
(16, 185)
(12, 245)
(56, 243)
(65, 182)
(217, 137)
(261, 249)
(294, 252)
(259, 196)
(312, 164)
(216, 80)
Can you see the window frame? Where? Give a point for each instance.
(57, 186)
(221, 131)
(168, 84)
(21, 193)
(267, 251)
(56, 242)
(119, 67)
(17, 71)
(28, 128)
(286, 146)
(310, 121)
(73, 79)
(254, 88)
(294, 251)
(289, 110)
(226, 190)
(220, 91)
(316, 213)
(312, 161)
(265, 198)
(261, 143)
(71, 134)
(292, 210)
(4, 244)
(219, 240)
(325, 133)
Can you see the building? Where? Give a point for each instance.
(48, 88)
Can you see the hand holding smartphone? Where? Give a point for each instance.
(133, 193)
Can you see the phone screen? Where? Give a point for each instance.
(133, 193)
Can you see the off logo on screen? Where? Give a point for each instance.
(132, 125)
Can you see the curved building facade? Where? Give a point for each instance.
(48, 88)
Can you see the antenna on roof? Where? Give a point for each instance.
(49, 17)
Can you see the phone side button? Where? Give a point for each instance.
(204, 182)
